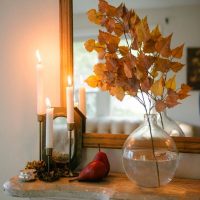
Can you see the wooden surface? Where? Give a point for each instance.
(116, 141)
(115, 186)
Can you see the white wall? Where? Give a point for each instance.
(25, 26)
(184, 23)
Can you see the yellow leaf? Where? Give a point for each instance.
(171, 83)
(89, 45)
(92, 81)
(157, 87)
(142, 30)
(154, 72)
(99, 47)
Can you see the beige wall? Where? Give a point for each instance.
(25, 26)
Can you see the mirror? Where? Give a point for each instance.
(104, 112)
(171, 19)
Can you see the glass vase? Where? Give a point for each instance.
(150, 156)
(169, 125)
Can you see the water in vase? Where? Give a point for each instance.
(140, 166)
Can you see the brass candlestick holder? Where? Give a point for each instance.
(70, 128)
(41, 119)
(49, 155)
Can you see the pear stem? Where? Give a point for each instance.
(99, 147)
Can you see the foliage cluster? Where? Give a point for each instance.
(145, 64)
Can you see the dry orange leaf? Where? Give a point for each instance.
(127, 70)
(103, 6)
(99, 69)
(163, 46)
(160, 106)
(123, 50)
(119, 29)
(176, 66)
(110, 40)
(89, 45)
(123, 71)
(183, 92)
(94, 16)
(149, 46)
(178, 51)
(146, 84)
(172, 99)
(162, 65)
(118, 92)
(155, 33)
(110, 24)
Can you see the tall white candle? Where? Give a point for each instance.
(40, 86)
(49, 124)
(82, 97)
(70, 101)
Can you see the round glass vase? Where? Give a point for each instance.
(150, 156)
(169, 125)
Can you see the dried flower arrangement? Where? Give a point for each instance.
(141, 66)
(146, 65)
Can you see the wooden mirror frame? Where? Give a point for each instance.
(113, 141)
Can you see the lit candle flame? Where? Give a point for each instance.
(48, 102)
(69, 81)
(38, 56)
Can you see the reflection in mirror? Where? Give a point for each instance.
(61, 141)
(105, 114)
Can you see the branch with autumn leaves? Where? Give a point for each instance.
(141, 66)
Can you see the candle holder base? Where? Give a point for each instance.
(70, 127)
(49, 156)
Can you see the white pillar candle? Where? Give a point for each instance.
(70, 101)
(49, 124)
(40, 86)
(82, 98)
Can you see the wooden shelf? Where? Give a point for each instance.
(116, 141)
(116, 187)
